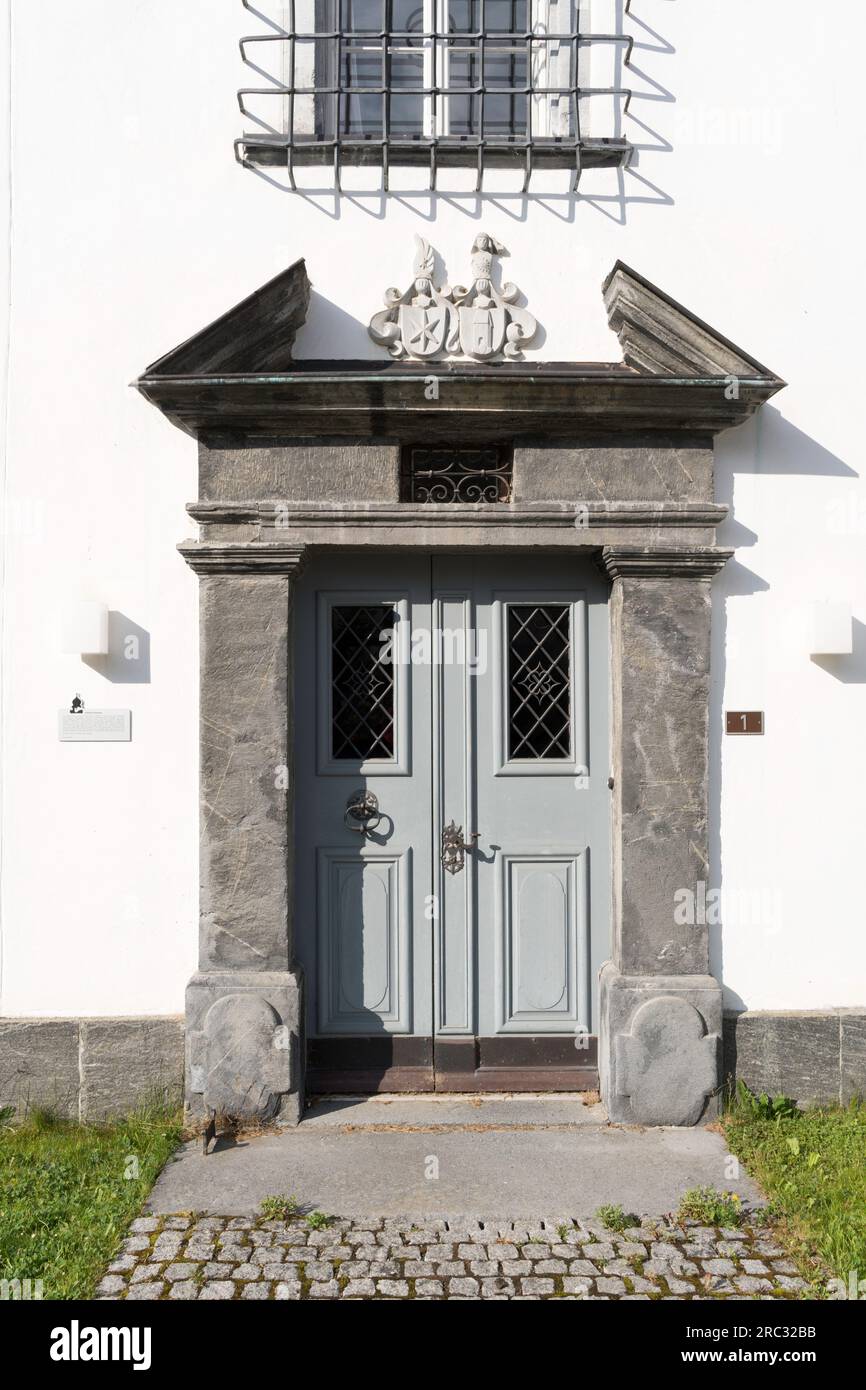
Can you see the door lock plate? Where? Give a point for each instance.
(454, 847)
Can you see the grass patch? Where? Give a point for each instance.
(68, 1192)
(615, 1219)
(318, 1221)
(279, 1208)
(709, 1207)
(812, 1166)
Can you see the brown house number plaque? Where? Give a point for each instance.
(749, 721)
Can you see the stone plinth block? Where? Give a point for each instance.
(128, 1061)
(659, 1047)
(852, 1054)
(245, 1048)
(39, 1065)
(815, 1056)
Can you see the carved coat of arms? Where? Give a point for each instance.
(421, 322)
(480, 322)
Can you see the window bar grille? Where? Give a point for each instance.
(434, 84)
(386, 92)
(462, 475)
(574, 96)
(338, 5)
(290, 114)
(527, 168)
(479, 176)
(343, 90)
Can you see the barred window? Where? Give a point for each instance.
(456, 475)
(434, 82)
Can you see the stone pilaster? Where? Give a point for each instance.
(245, 1004)
(659, 1063)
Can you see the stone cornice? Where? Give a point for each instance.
(237, 558)
(237, 380)
(402, 515)
(663, 562)
(505, 402)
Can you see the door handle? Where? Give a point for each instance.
(454, 847)
(362, 807)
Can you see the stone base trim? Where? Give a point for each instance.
(659, 1047)
(90, 1068)
(817, 1057)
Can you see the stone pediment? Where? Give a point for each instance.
(659, 337)
(238, 375)
(253, 337)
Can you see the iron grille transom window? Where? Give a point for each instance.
(362, 683)
(456, 475)
(539, 680)
(433, 82)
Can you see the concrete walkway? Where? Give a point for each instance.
(453, 1198)
(451, 1156)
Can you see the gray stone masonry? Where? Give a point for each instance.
(817, 1057)
(660, 1011)
(660, 635)
(244, 1007)
(90, 1068)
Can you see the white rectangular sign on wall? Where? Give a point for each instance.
(95, 726)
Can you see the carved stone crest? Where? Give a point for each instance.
(489, 321)
(421, 322)
(480, 322)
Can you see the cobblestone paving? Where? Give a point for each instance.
(187, 1258)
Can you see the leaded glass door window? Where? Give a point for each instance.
(542, 699)
(363, 685)
(362, 681)
(539, 696)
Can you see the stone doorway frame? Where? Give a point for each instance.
(611, 460)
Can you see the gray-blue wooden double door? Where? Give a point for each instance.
(440, 698)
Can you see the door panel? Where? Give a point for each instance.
(467, 695)
(364, 940)
(362, 718)
(541, 913)
(539, 800)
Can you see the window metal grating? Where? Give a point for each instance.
(429, 82)
(456, 475)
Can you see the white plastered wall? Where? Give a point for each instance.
(133, 227)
